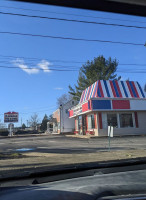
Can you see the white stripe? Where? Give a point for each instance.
(110, 89)
(127, 89)
(121, 89)
(103, 88)
(138, 90)
(89, 92)
(86, 93)
(93, 89)
(81, 97)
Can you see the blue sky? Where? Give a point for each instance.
(29, 92)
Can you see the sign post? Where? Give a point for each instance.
(110, 134)
(11, 117)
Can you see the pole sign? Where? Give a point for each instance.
(11, 117)
(110, 131)
(110, 134)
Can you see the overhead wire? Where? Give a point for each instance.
(72, 20)
(70, 14)
(65, 61)
(70, 70)
(37, 64)
(40, 69)
(32, 58)
(71, 38)
(7, 61)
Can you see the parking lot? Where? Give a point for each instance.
(54, 150)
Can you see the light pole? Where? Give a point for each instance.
(60, 116)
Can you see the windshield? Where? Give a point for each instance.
(73, 87)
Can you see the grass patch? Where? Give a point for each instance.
(11, 156)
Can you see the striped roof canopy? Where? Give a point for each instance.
(113, 89)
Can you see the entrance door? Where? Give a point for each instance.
(84, 124)
(80, 125)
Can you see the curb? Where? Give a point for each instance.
(70, 168)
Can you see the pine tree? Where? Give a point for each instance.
(97, 69)
(44, 123)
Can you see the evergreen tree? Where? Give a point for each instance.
(97, 69)
(44, 123)
(23, 126)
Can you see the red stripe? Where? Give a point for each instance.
(119, 91)
(135, 89)
(136, 119)
(130, 88)
(71, 112)
(121, 104)
(100, 88)
(86, 122)
(100, 120)
(90, 105)
(85, 107)
(113, 90)
(95, 120)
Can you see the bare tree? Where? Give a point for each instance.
(2, 125)
(34, 120)
(63, 99)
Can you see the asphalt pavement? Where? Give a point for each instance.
(62, 144)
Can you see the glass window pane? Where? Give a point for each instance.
(112, 120)
(91, 122)
(126, 120)
(77, 124)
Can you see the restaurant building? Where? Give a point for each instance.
(121, 104)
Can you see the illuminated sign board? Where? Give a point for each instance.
(11, 117)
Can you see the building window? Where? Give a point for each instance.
(91, 122)
(58, 125)
(77, 124)
(126, 120)
(112, 120)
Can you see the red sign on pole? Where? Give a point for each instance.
(11, 117)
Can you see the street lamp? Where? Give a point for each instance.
(60, 116)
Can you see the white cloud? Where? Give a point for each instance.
(45, 66)
(20, 63)
(58, 88)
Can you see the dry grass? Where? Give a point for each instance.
(34, 160)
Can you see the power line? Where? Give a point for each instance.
(68, 67)
(32, 58)
(34, 65)
(77, 15)
(65, 70)
(40, 69)
(66, 61)
(73, 20)
(70, 38)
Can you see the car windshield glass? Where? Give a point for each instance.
(73, 87)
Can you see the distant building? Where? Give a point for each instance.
(121, 104)
(61, 121)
